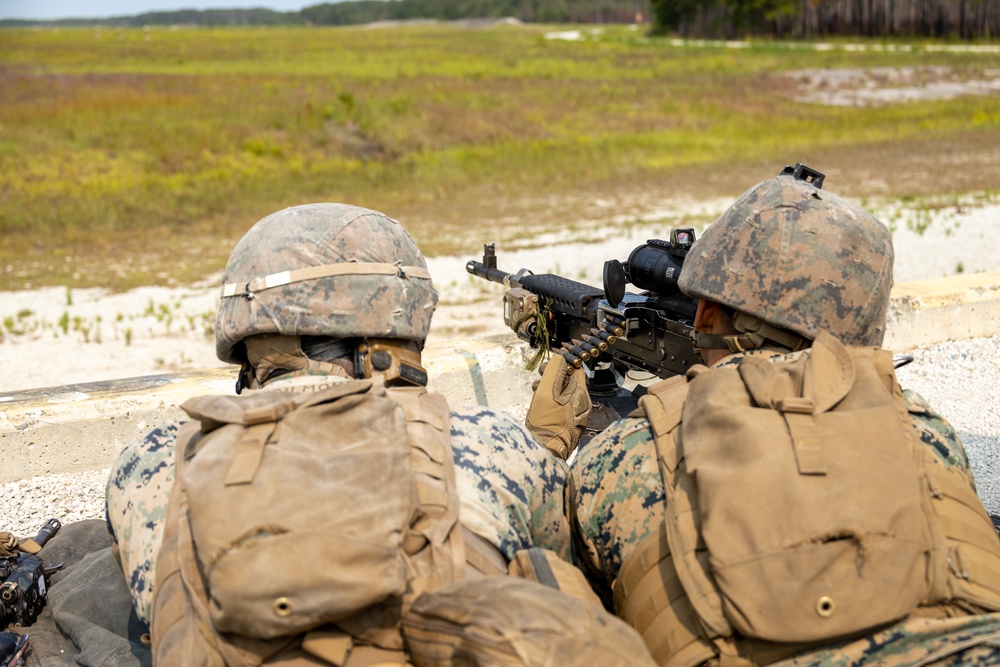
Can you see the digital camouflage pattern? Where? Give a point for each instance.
(511, 488)
(797, 258)
(340, 306)
(135, 506)
(616, 500)
(967, 641)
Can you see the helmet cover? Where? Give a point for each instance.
(324, 270)
(797, 258)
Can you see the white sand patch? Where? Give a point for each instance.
(882, 86)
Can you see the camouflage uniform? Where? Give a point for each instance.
(616, 500)
(511, 489)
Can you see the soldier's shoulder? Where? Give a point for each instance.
(479, 423)
(618, 442)
(635, 425)
(947, 642)
(917, 404)
(935, 431)
(162, 435)
(481, 416)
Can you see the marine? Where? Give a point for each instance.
(789, 275)
(314, 296)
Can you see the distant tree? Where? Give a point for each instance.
(759, 15)
(676, 15)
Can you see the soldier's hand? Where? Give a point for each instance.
(559, 407)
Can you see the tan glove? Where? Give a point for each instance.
(559, 407)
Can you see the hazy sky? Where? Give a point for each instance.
(61, 9)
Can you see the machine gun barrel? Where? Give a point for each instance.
(569, 297)
(488, 267)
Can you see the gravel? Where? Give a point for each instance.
(28, 503)
(958, 378)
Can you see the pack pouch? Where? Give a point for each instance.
(795, 512)
(288, 518)
(546, 567)
(506, 621)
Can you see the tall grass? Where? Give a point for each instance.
(113, 143)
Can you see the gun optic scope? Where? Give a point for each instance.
(655, 266)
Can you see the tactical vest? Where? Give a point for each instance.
(801, 506)
(300, 528)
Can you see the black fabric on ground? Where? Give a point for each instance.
(89, 618)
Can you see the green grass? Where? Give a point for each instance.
(125, 161)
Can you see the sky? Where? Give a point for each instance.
(62, 9)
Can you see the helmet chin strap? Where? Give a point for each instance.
(269, 356)
(754, 334)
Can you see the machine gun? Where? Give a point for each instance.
(610, 331)
(23, 584)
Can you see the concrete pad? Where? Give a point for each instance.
(84, 426)
(925, 312)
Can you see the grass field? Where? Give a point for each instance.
(137, 157)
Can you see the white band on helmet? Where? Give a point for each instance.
(325, 271)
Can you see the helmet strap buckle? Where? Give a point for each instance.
(757, 333)
(396, 360)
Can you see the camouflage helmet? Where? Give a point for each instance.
(797, 258)
(324, 270)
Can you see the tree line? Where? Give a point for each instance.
(529, 11)
(965, 19)
(358, 12)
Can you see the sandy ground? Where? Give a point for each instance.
(53, 336)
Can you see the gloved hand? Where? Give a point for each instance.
(559, 407)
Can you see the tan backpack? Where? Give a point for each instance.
(300, 527)
(800, 507)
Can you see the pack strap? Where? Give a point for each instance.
(806, 441)
(829, 375)
(434, 540)
(649, 591)
(372, 656)
(650, 597)
(662, 407)
(256, 285)
(729, 655)
(329, 644)
(682, 519)
(336, 647)
(482, 556)
(249, 453)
